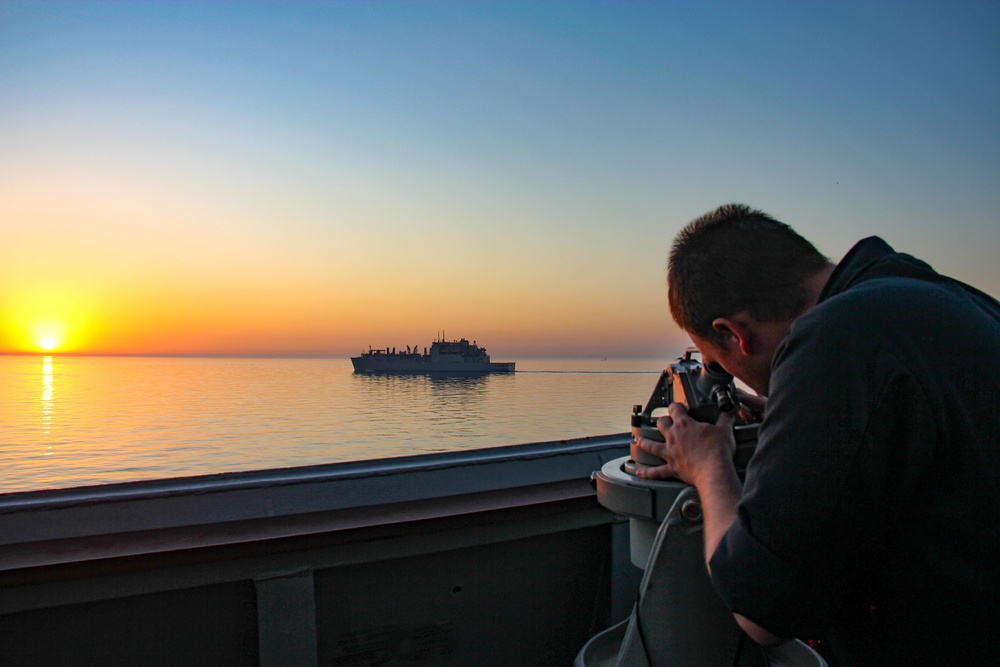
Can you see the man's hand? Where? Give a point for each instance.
(752, 406)
(702, 455)
(755, 402)
(695, 452)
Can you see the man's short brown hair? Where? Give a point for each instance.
(738, 259)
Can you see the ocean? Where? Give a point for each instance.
(69, 421)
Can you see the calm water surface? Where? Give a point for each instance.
(73, 421)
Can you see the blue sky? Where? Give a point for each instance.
(513, 172)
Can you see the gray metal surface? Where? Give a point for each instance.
(238, 507)
(679, 618)
(634, 497)
(491, 557)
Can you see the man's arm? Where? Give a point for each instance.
(702, 455)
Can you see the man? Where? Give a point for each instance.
(870, 516)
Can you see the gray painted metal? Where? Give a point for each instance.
(322, 565)
(239, 507)
(629, 495)
(690, 625)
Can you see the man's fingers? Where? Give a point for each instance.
(726, 418)
(658, 449)
(752, 401)
(658, 472)
(677, 411)
(654, 447)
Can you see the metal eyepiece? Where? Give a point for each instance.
(720, 387)
(724, 398)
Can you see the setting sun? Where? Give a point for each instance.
(49, 318)
(45, 335)
(48, 344)
(48, 336)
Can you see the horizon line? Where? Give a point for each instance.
(283, 355)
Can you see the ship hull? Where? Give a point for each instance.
(374, 365)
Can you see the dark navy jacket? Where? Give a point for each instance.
(870, 517)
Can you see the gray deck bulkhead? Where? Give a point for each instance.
(489, 557)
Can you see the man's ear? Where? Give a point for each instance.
(735, 331)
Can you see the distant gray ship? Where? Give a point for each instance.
(457, 356)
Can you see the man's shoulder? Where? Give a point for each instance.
(857, 318)
(884, 328)
(898, 307)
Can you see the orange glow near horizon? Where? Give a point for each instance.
(82, 299)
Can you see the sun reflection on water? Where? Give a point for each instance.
(47, 397)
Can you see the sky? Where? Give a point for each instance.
(314, 178)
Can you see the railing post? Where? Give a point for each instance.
(286, 620)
